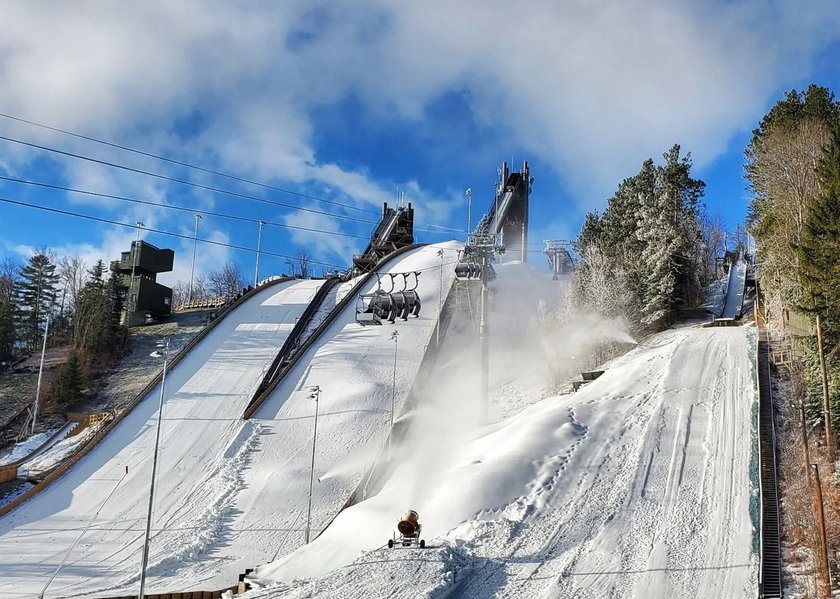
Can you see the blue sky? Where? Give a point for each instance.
(355, 102)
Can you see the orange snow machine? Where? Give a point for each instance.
(409, 528)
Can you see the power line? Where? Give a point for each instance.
(198, 168)
(179, 163)
(184, 182)
(174, 207)
(159, 231)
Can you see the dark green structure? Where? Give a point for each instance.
(145, 297)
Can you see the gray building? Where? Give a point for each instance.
(139, 267)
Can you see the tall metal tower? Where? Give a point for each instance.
(559, 259)
(477, 265)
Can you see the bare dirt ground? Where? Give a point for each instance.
(112, 391)
(137, 367)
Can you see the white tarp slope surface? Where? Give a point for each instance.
(735, 290)
(200, 457)
(639, 485)
(356, 370)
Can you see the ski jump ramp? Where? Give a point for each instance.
(735, 290)
(230, 493)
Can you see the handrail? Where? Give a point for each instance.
(772, 588)
(260, 397)
(101, 434)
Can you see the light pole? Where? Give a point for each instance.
(40, 375)
(131, 304)
(468, 193)
(315, 393)
(394, 337)
(198, 217)
(161, 351)
(259, 242)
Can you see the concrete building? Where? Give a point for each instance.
(139, 267)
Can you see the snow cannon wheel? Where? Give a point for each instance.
(422, 543)
(390, 543)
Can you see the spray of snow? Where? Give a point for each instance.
(454, 469)
(356, 462)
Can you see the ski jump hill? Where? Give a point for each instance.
(231, 493)
(639, 485)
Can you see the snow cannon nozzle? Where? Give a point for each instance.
(409, 526)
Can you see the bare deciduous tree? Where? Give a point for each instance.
(72, 273)
(782, 173)
(301, 265)
(226, 282)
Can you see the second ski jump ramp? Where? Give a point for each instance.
(355, 368)
(231, 493)
(200, 458)
(735, 290)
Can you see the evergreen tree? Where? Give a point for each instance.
(98, 313)
(116, 300)
(782, 160)
(68, 382)
(819, 251)
(649, 239)
(35, 294)
(8, 275)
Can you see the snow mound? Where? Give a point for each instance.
(434, 572)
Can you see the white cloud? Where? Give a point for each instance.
(591, 88)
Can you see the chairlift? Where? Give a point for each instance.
(373, 308)
(369, 310)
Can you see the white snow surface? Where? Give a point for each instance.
(204, 446)
(230, 493)
(27, 446)
(638, 485)
(51, 457)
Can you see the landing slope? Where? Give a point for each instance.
(205, 395)
(637, 486)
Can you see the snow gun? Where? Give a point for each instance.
(409, 528)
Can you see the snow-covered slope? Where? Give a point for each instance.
(355, 368)
(638, 485)
(231, 493)
(200, 460)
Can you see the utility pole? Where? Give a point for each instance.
(316, 395)
(195, 243)
(259, 242)
(40, 376)
(161, 351)
(821, 521)
(829, 435)
(805, 451)
(394, 337)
